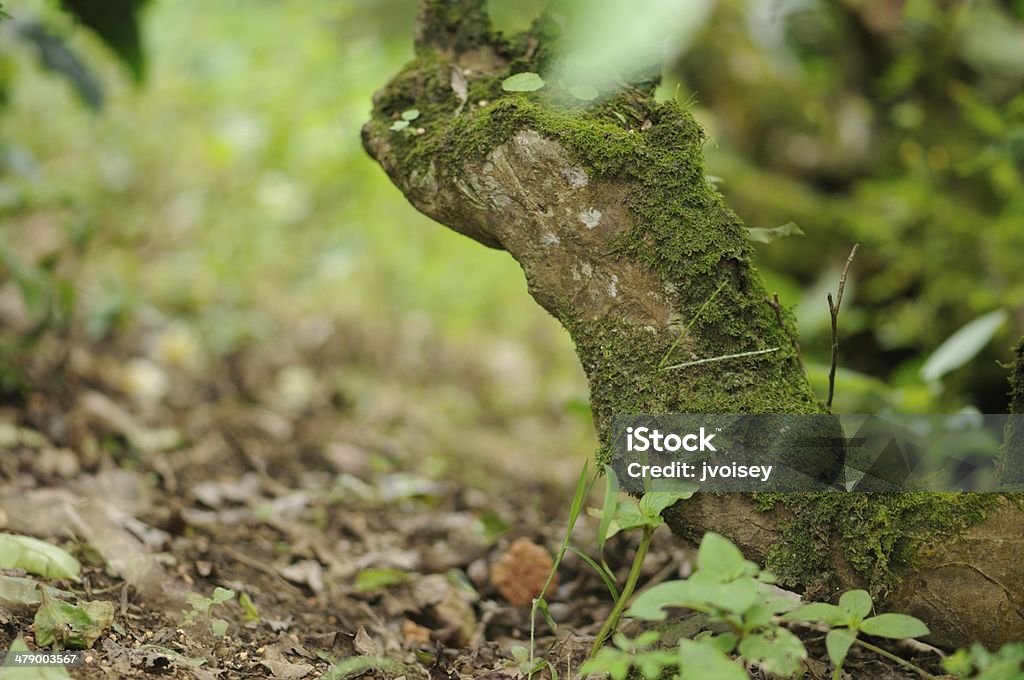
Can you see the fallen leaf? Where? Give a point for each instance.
(521, 571)
(62, 625)
(37, 557)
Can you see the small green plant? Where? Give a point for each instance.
(978, 663)
(847, 620)
(201, 612)
(748, 617)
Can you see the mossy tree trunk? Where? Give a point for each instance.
(625, 241)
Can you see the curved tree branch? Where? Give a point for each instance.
(625, 241)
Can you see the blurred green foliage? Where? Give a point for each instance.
(231, 190)
(899, 125)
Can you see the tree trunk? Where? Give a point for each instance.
(625, 241)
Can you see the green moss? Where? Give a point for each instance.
(879, 535)
(682, 230)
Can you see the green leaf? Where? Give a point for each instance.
(219, 627)
(726, 642)
(819, 612)
(542, 607)
(695, 593)
(653, 503)
(609, 579)
(57, 56)
(383, 577)
(222, 595)
(719, 557)
(611, 493)
(12, 672)
(17, 592)
(962, 346)
(608, 660)
(838, 642)
(249, 610)
(37, 557)
(523, 82)
(776, 651)
(360, 664)
(582, 488)
(62, 625)
(649, 605)
(762, 235)
(628, 515)
(703, 661)
(399, 125)
(585, 92)
(410, 115)
(897, 626)
(116, 22)
(856, 604)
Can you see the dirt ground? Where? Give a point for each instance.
(357, 488)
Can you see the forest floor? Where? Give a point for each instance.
(322, 480)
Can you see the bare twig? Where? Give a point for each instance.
(724, 357)
(833, 310)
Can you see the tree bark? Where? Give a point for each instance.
(626, 242)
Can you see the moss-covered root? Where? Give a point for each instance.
(952, 560)
(1011, 466)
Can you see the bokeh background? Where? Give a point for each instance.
(224, 205)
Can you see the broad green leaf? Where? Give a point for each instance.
(382, 577)
(410, 114)
(776, 651)
(649, 604)
(762, 235)
(718, 556)
(856, 604)
(838, 642)
(585, 92)
(62, 625)
(629, 516)
(11, 672)
(523, 82)
(399, 125)
(37, 557)
(726, 642)
(695, 593)
(653, 503)
(735, 596)
(611, 493)
(610, 661)
(819, 612)
(219, 627)
(703, 661)
(897, 626)
(222, 595)
(962, 346)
